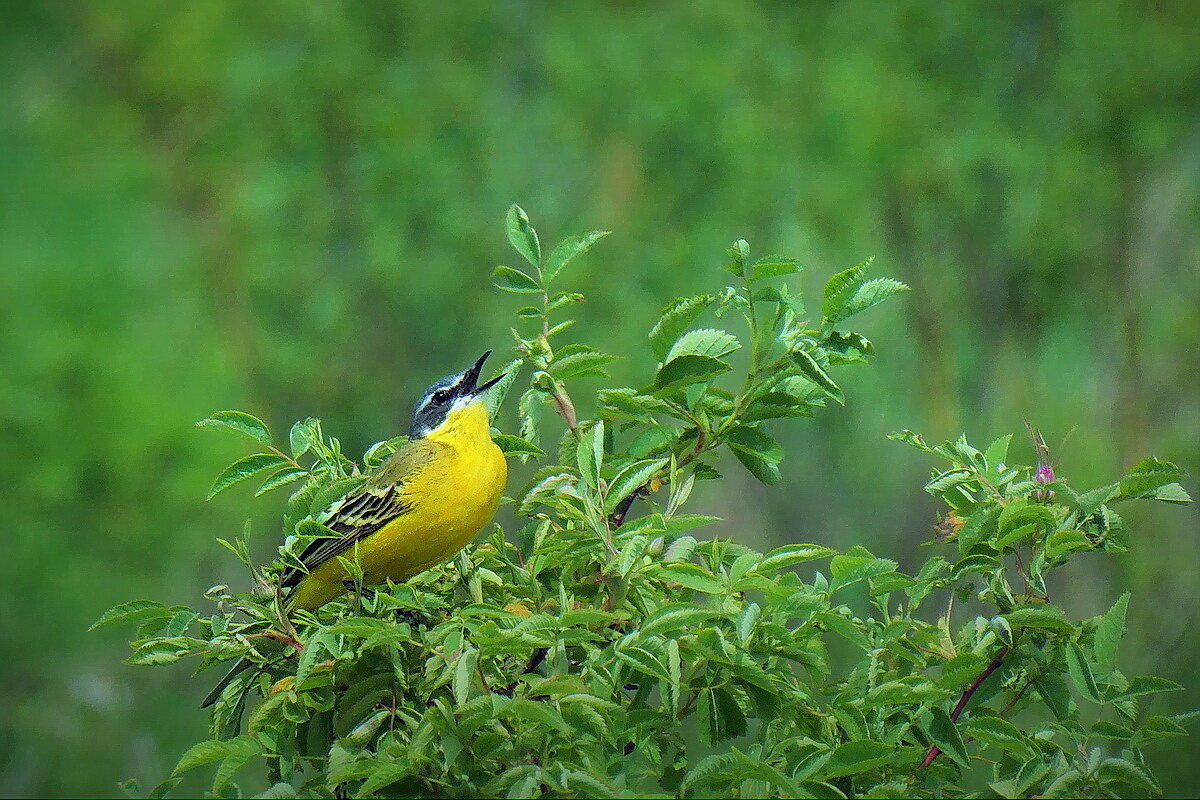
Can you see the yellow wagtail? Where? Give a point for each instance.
(422, 506)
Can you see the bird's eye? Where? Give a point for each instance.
(441, 396)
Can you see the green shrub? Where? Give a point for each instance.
(602, 649)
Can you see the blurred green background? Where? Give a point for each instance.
(292, 208)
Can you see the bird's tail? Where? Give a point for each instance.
(238, 668)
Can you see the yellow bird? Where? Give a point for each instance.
(422, 506)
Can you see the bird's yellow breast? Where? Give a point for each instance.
(450, 498)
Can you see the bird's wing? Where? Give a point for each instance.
(362, 512)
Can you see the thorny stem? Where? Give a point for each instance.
(934, 750)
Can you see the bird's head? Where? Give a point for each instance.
(448, 395)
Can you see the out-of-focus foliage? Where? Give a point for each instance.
(289, 206)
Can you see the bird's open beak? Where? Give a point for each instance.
(472, 381)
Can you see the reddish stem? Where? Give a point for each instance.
(934, 750)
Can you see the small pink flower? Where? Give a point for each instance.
(1044, 474)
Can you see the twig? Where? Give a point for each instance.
(934, 750)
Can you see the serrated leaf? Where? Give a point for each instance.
(1081, 673)
(628, 480)
(238, 422)
(515, 445)
(946, 735)
(674, 617)
(691, 576)
(840, 286)
(464, 674)
(998, 732)
(1118, 769)
(281, 478)
(134, 610)
(522, 236)
(791, 554)
(773, 267)
(688, 370)
(589, 454)
(1143, 685)
(815, 373)
(568, 250)
(244, 469)
(704, 342)
(747, 620)
(754, 440)
(1172, 493)
(855, 757)
(581, 365)
(738, 253)
(1046, 616)
(513, 280)
(1108, 634)
(298, 438)
(766, 471)
(865, 296)
(214, 750)
(847, 569)
(677, 318)
(844, 341)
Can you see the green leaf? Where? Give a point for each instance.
(464, 674)
(590, 454)
(1081, 673)
(1045, 616)
(687, 370)
(674, 617)
(704, 342)
(766, 471)
(998, 732)
(1148, 475)
(630, 479)
(726, 720)
(1121, 771)
(747, 620)
(281, 478)
(946, 735)
(677, 318)
(791, 554)
(868, 294)
(691, 576)
(515, 445)
(850, 568)
(239, 422)
(299, 437)
(754, 440)
(513, 280)
(738, 253)
(585, 364)
(1109, 633)
(997, 451)
(772, 267)
(839, 288)
(1172, 493)
(1068, 784)
(1143, 685)
(383, 774)
(855, 757)
(567, 250)
(844, 341)
(813, 371)
(245, 468)
(133, 611)
(522, 236)
(215, 750)
(944, 481)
